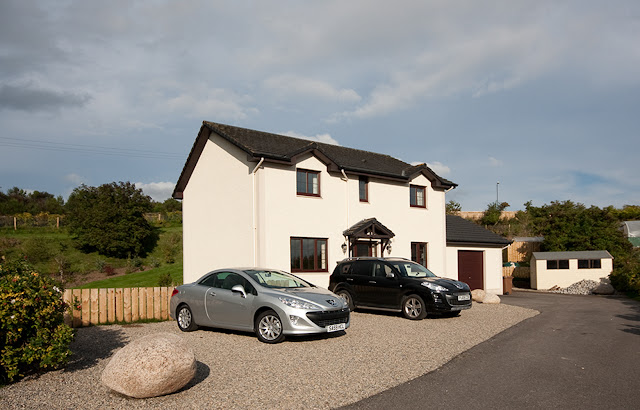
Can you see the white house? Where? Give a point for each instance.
(252, 198)
(562, 269)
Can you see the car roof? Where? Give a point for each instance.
(375, 258)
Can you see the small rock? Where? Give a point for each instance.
(478, 295)
(151, 366)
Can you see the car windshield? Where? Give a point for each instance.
(277, 279)
(412, 269)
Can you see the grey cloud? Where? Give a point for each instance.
(27, 98)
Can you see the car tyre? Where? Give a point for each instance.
(346, 296)
(413, 307)
(184, 318)
(268, 327)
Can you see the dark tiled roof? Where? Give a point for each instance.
(280, 148)
(461, 231)
(372, 225)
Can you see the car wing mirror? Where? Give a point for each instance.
(390, 275)
(239, 289)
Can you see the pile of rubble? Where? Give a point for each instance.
(585, 287)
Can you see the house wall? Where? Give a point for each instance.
(492, 270)
(219, 214)
(541, 278)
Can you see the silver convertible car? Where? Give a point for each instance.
(270, 303)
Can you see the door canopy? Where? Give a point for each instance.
(369, 230)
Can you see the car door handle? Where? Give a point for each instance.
(349, 279)
(212, 293)
(372, 281)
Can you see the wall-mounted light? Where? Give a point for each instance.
(344, 248)
(388, 248)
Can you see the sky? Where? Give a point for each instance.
(513, 101)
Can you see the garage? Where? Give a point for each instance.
(470, 268)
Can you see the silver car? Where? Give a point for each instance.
(270, 303)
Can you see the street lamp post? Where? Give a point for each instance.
(497, 192)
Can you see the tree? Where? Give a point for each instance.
(110, 219)
(453, 208)
(493, 213)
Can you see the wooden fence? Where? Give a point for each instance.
(122, 305)
(521, 272)
(521, 251)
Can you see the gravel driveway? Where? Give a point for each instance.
(235, 370)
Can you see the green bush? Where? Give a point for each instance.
(165, 279)
(33, 335)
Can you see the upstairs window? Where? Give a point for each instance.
(589, 264)
(558, 264)
(364, 189)
(417, 196)
(308, 182)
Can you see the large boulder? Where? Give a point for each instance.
(604, 288)
(491, 298)
(477, 295)
(480, 296)
(151, 366)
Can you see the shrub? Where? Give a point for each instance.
(170, 246)
(33, 334)
(165, 279)
(108, 269)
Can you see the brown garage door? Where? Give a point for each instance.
(470, 268)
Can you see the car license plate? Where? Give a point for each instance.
(464, 297)
(335, 328)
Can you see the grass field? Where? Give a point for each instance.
(51, 251)
(138, 279)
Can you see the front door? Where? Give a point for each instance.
(471, 268)
(365, 249)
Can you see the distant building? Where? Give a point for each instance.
(631, 230)
(562, 269)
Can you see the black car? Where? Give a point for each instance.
(399, 285)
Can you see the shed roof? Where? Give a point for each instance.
(284, 149)
(461, 231)
(572, 255)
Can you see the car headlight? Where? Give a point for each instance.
(434, 287)
(298, 304)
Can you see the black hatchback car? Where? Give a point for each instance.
(399, 285)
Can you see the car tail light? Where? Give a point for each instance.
(175, 292)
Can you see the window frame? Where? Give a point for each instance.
(413, 196)
(415, 250)
(363, 181)
(308, 172)
(317, 253)
(591, 263)
(559, 264)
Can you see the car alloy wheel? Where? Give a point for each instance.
(346, 296)
(413, 307)
(185, 319)
(269, 327)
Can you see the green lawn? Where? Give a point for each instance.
(139, 279)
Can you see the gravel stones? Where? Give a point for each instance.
(151, 366)
(235, 371)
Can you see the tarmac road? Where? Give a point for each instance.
(579, 352)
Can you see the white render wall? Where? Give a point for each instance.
(218, 209)
(543, 278)
(492, 269)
